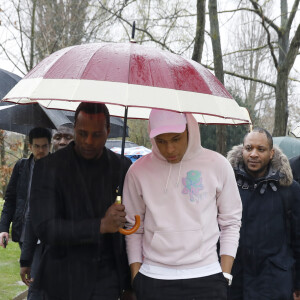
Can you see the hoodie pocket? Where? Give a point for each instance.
(176, 247)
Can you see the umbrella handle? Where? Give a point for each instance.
(134, 228)
(136, 225)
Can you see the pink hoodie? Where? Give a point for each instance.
(182, 206)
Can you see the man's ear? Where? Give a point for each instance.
(272, 153)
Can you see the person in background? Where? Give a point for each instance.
(62, 136)
(17, 196)
(187, 199)
(295, 166)
(16, 204)
(32, 249)
(267, 265)
(73, 213)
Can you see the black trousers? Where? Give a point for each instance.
(212, 287)
(34, 294)
(106, 286)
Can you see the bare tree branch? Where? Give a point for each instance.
(247, 50)
(10, 59)
(292, 14)
(259, 12)
(244, 77)
(293, 51)
(152, 38)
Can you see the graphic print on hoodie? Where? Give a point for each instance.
(193, 185)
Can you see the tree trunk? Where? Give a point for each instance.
(221, 131)
(281, 107)
(2, 148)
(32, 35)
(287, 56)
(200, 31)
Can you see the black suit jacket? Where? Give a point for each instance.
(63, 219)
(16, 199)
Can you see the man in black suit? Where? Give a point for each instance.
(74, 215)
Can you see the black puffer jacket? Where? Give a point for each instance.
(269, 247)
(16, 199)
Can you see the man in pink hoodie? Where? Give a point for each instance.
(187, 199)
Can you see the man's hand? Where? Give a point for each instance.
(296, 295)
(2, 236)
(114, 219)
(134, 268)
(25, 275)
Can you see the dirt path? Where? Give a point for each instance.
(21, 296)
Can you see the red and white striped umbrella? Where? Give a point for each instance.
(128, 75)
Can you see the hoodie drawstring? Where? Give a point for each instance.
(178, 177)
(170, 169)
(169, 175)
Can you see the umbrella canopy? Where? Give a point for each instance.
(22, 118)
(7, 82)
(118, 143)
(116, 125)
(296, 131)
(290, 146)
(139, 150)
(134, 153)
(128, 75)
(131, 79)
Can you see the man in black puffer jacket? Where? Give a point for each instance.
(17, 196)
(267, 265)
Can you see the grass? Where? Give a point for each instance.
(10, 280)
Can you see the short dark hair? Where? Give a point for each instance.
(266, 132)
(39, 132)
(93, 108)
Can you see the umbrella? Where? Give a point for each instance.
(290, 146)
(118, 143)
(22, 118)
(7, 81)
(128, 76)
(133, 153)
(296, 131)
(139, 150)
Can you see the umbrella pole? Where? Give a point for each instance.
(120, 189)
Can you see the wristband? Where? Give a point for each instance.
(228, 277)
